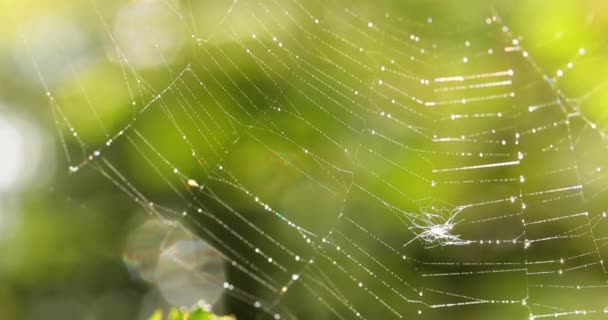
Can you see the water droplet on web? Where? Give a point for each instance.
(192, 183)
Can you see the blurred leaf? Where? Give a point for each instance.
(175, 314)
(195, 314)
(157, 315)
(199, 314)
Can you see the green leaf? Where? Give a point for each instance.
(195, 314)
(157, 315)
(175, 314)
(200, 314)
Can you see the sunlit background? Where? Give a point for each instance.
(79, 240)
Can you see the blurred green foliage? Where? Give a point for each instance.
(195, 314)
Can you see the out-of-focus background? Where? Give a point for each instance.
(115, 114)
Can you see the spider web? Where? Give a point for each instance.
(348, 163)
